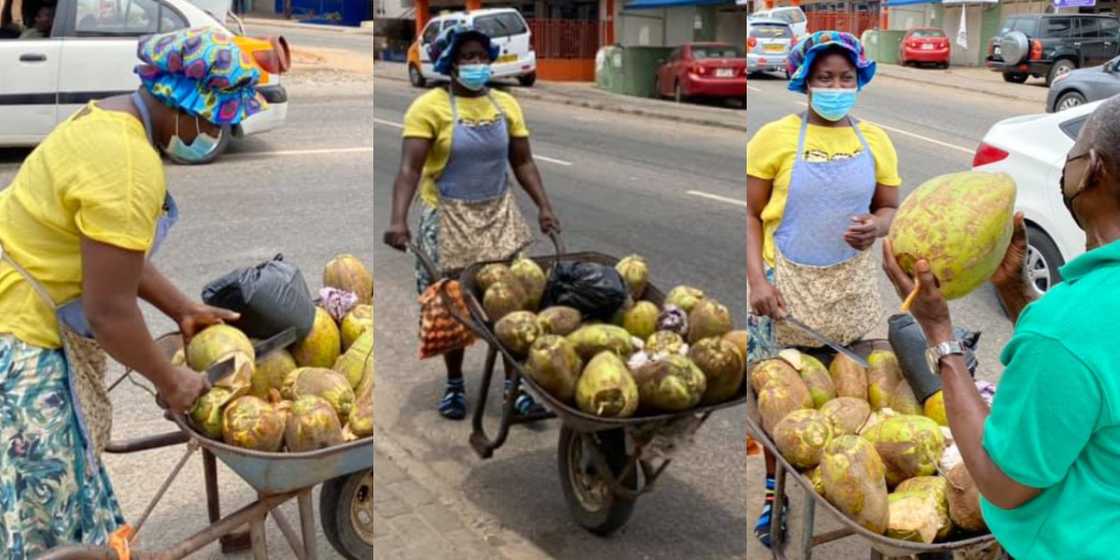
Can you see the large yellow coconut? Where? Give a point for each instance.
(684, 297)
(882, 377)
(346, 272)
(849, 378)
(961, 223)
(503, 298)
(360, 422)
(817, 379)
(218, 343)
(252, 423)
(768, 370)
(635, 273)
(741, 340)
(324, 383)
(554, 364)
(356, 322)
(590, 340)
(492, 274)
(357, 360)
(533, 281)
(312, 425)
(722, 366)
(801, 437)
(852, 476)
(964, 500)
(934, 408)
(777, 399)
(323, 344)
(270, 371)
(560, 320)
(518, 331)
(607, 388)
(909, 446)
(207, 412)
(847, 414)
(708, 318)
(935, 489)
(902, 399)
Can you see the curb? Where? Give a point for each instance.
(884, 71)
(363, 30)
(597, 106)
(505, 543)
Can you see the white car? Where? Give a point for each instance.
(1032, 149)
(507, 30)
(90, 54)
(792, 15)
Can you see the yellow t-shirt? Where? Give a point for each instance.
(771, 154)
(96, 176)
(429, 117)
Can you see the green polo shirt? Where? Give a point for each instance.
(1055, 421)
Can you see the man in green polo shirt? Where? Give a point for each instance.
(1046, 457)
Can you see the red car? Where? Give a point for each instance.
(703, 70)
(924, 46)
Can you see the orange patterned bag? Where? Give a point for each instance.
(439, 331)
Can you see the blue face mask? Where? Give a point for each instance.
(474, 76)
(202, 146)
(833, 104)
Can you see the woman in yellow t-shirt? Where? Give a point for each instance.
(78, 224)
(821, 188)
(458, 144)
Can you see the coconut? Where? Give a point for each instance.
(270, 371)
(934, 489)
(360, 423)
(518, 331)
(673, 319)
(909, 446)
(180, 357)
(882, 377)
(635, 273)
(218, 343)
(559, 320)
(684, 297)
(312, 425)
(964, 500)
(722, 366)
(322, 346)
(532, 279)
(902, 399)
(641, 319)
(777, 399)
(706, 319)
(492, 274)
(503, 298)
(357, 360)
(670, 384)
(356, 322)
(741, 340)
(801, 437)
(852, 475)
(847, 414)
(324, 383)
(667, 342)
(934, 408)
(252, 423)
(607, 388)
(347, 273)
(814, 476)
(768, 370)
(590, 340)
(913, 517)
(817, 379)
(554, 364)
(849, 378)
(961, 224)
(207, 412)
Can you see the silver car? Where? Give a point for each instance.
(1083, 86)
(768, 44)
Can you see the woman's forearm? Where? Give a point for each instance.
(404, 190)
(530, 179)
(119, 327)
(883, 217)
(755, 266)
(157, 290)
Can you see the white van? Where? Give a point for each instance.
(507, 30)
(792, 15)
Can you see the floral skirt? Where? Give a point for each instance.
(428, 239)
(48, 494)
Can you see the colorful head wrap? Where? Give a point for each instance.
(201, 72)
(443, 49)
(801, 58)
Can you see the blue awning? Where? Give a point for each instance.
(654, 4)
(894, 3)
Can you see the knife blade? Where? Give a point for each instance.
(825, 340)
(220, 370)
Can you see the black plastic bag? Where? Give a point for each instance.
(909, 345)
(270, 297)
(597, 291)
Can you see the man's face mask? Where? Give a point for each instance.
(202, 146)
(1072, 184)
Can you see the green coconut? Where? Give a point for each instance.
(670, 384)
(252, 423)
(559, 320)
(801, 437)
(207, 412)
(684, 297)
(849, 378)
(270, 371)
(325, 383)
(607, 388)
(852, 475)
(518, 331)
(322, 346)
(503, 298)
(817, 379)
(312, 424)
(847, 414)
(909, 446)
(492, 274)
(590, 340)
(667, 342)
(722, 366)
(357, 360)
(532, 279)
(641, 319)
(356, 322)
(555, 365)
(708, 318)
(882, 377)
(635, 273)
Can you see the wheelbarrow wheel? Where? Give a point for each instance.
(591, 501)
(346, 511)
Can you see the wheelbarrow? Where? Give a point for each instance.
(605, 464)
(970, 546)
(345, 501)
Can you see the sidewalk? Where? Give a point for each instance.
(979, 80)
(588, 96)
(416, 516)
(279, 21)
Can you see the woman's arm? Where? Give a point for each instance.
(867, 228)
(525, 169)
(191, 316)
(414, 154)
(764, 297)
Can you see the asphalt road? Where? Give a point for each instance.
(357, 43)
(303, 191)
(935, 131)
(620, 185)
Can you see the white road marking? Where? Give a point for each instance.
(724, 199)
(388, 123)
(541, 158)
(323, 151)
(752, 88)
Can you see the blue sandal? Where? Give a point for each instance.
(762, 527)
(524, 404)
(453, 405)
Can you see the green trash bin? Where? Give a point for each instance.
(629, 70)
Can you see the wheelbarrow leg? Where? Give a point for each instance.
(777, 539)
(307, 525)
(233, 542)
(480, 442)
(809, 512)
(257, 535)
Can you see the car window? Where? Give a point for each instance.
(125, 18)
(1072, 127)
(793, 16)
(430, 33)
(926, 33)
(1109, 27)
(500, 25)
(709, 52)
(1028, 25)
(771, 31)
(1059, 27)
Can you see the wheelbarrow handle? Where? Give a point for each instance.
(557, 242)
(468, 321)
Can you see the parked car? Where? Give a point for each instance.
(924, 46)
(768, 45)
(1049, 45)
(90, 54)
(1032, 149)
(507, 30)
(792, 15)
(1084, 85)
(703, 70)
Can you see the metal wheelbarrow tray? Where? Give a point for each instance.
(881, 545)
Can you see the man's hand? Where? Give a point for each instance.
(199, 316)
(767, 301)
(548, 221)
(929, 307)
(397, 236)
(1010, 270)
(863, 232)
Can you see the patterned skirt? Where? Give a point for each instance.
(48, 495)
(428, 240)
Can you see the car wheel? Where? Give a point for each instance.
(1060, 68)
(528, 79)
(415, 77)
(1043, 259)
(1069, 100)
(219, 149)
(1014, 77)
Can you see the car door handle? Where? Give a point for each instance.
(35, 57)
(1077, 44)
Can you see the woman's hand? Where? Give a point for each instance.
(1010, 271)
(181, 389)
(767, 301)
(863, 232)
(929, 307)
(548, 221)
(199, 316)
(397, 236)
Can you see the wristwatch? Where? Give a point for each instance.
(935, 354)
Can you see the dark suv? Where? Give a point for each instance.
(1049, 45)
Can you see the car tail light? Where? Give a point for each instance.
(272, 55)
(698, 69)
(752, 42)
(987, 154)
(1036, 49)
